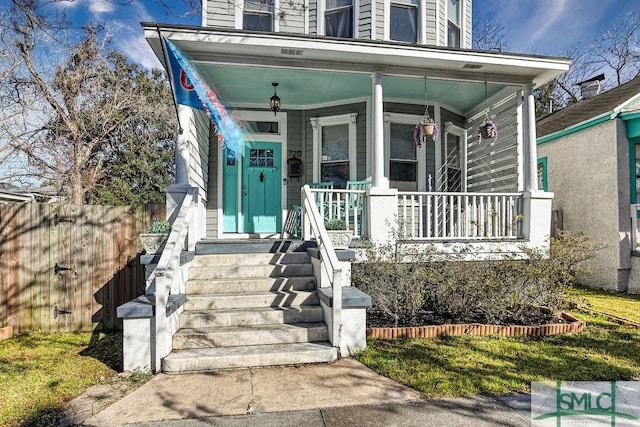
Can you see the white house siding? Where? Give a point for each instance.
(492, 164)
(379, 19)
(292, 17)
(467, 25)
(588, 172)
(442, 22)
(221, 13)
(313, 21)
(431, 25)
(364, 24)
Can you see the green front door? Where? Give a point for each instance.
(262, 188)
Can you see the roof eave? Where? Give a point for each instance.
(357, 55)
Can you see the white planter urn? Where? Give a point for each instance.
(153, 243)
(340, 238)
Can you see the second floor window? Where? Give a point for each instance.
(339, 18)
(453, 23)
(258, 15)
(403, 24)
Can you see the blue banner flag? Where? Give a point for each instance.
(193, 90)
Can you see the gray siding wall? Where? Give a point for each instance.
(492, 164)
(295, 143)
(313, 17)
(364, 26)
(221, 13)
(379, 19)
(212, 189)
(466, 22)
(292, 17)
(198, 136)
(431, 25)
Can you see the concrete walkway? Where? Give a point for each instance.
(344, 393)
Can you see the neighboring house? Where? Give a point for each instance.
(353, 79)
(589, 157)
(13, 194)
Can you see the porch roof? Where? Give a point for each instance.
(315, 70)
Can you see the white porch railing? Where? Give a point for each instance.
(345, 205)
(460, 216)
(635, 236)
(313, 226)
(168, 279)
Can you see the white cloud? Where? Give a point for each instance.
(98, 7)
(135, 46)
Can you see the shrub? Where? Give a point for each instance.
(160, 227)
(407, 281)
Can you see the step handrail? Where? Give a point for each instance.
(165, 278)
(328, 260)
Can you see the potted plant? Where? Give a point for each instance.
(424, 129)
(153, 242)
(487, 129)
(338, 234)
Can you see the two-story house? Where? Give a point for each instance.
(328, 94)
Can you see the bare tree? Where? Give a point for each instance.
(618, 49)
(68, 106)
(489, 35)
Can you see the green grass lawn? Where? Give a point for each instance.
(40, 372)
(468, 365)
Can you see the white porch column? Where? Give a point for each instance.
(530, 149)
(185, 118)
(379, 180)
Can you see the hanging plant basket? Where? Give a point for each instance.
(488, 130)
(424, 130)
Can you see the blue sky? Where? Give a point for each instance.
(551, 27)
(547, 27)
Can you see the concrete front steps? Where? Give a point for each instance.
(247, 310)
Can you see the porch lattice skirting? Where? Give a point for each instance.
(433, 331)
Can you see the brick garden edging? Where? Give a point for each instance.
(434, 331)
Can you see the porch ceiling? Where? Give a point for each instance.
(304, 88)
(312, 71)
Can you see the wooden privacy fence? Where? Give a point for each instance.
(67, 267)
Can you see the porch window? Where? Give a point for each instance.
(403, 159)
(334, 148)
(339, 18)
(453, 23)
(334, 164)
(258, 15)
(406, 164)
(403, 24)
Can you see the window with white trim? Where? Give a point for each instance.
(405, 165)
(334, 149)
(404, 20)
(257, 15)
(453, 23)
(338, 18)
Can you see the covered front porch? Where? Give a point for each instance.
(348, 110)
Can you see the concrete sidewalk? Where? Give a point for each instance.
(344, 393)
